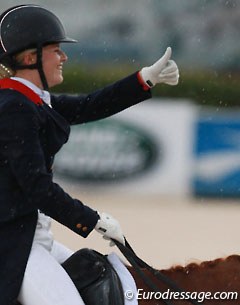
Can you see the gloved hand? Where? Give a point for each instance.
(163, 71)
(109, 228)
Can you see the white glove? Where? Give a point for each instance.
(163, 71)
(109, 228)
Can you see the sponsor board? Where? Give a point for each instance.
(217, 155)
(106, 150)
(145, 149)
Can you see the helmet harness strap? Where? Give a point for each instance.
(38, 65)
(40, 68)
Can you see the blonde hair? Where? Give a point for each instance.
(6, 71)
(20, 56)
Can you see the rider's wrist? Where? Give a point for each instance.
(145, 85)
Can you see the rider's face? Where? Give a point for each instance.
(53, 58)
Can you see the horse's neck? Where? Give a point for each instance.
(210, 276)
(216, 275)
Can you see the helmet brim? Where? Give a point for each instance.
(68, 40)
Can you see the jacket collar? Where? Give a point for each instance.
(44, 95)
(8, 83)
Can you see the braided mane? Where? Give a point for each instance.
(219, 275)
(205, 264)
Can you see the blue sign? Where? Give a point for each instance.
(217, 156)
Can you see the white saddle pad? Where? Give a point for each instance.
(128, 283)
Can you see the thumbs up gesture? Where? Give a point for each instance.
(164, 70)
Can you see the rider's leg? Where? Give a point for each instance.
(46, 282)
(60, 252)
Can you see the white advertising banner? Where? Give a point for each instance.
(144, 149)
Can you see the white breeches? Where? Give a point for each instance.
(45, 282)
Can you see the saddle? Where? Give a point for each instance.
(95, 278)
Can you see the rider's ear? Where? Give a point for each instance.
(27, 57)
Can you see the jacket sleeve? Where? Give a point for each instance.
(102, 103)
(20, 126)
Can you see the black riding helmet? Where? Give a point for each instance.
(29, 26)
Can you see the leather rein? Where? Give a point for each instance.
(138, 264)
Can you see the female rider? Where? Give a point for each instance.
(34, 125)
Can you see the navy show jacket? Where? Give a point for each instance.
(30, 136)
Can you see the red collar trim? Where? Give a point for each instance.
(7, 83)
